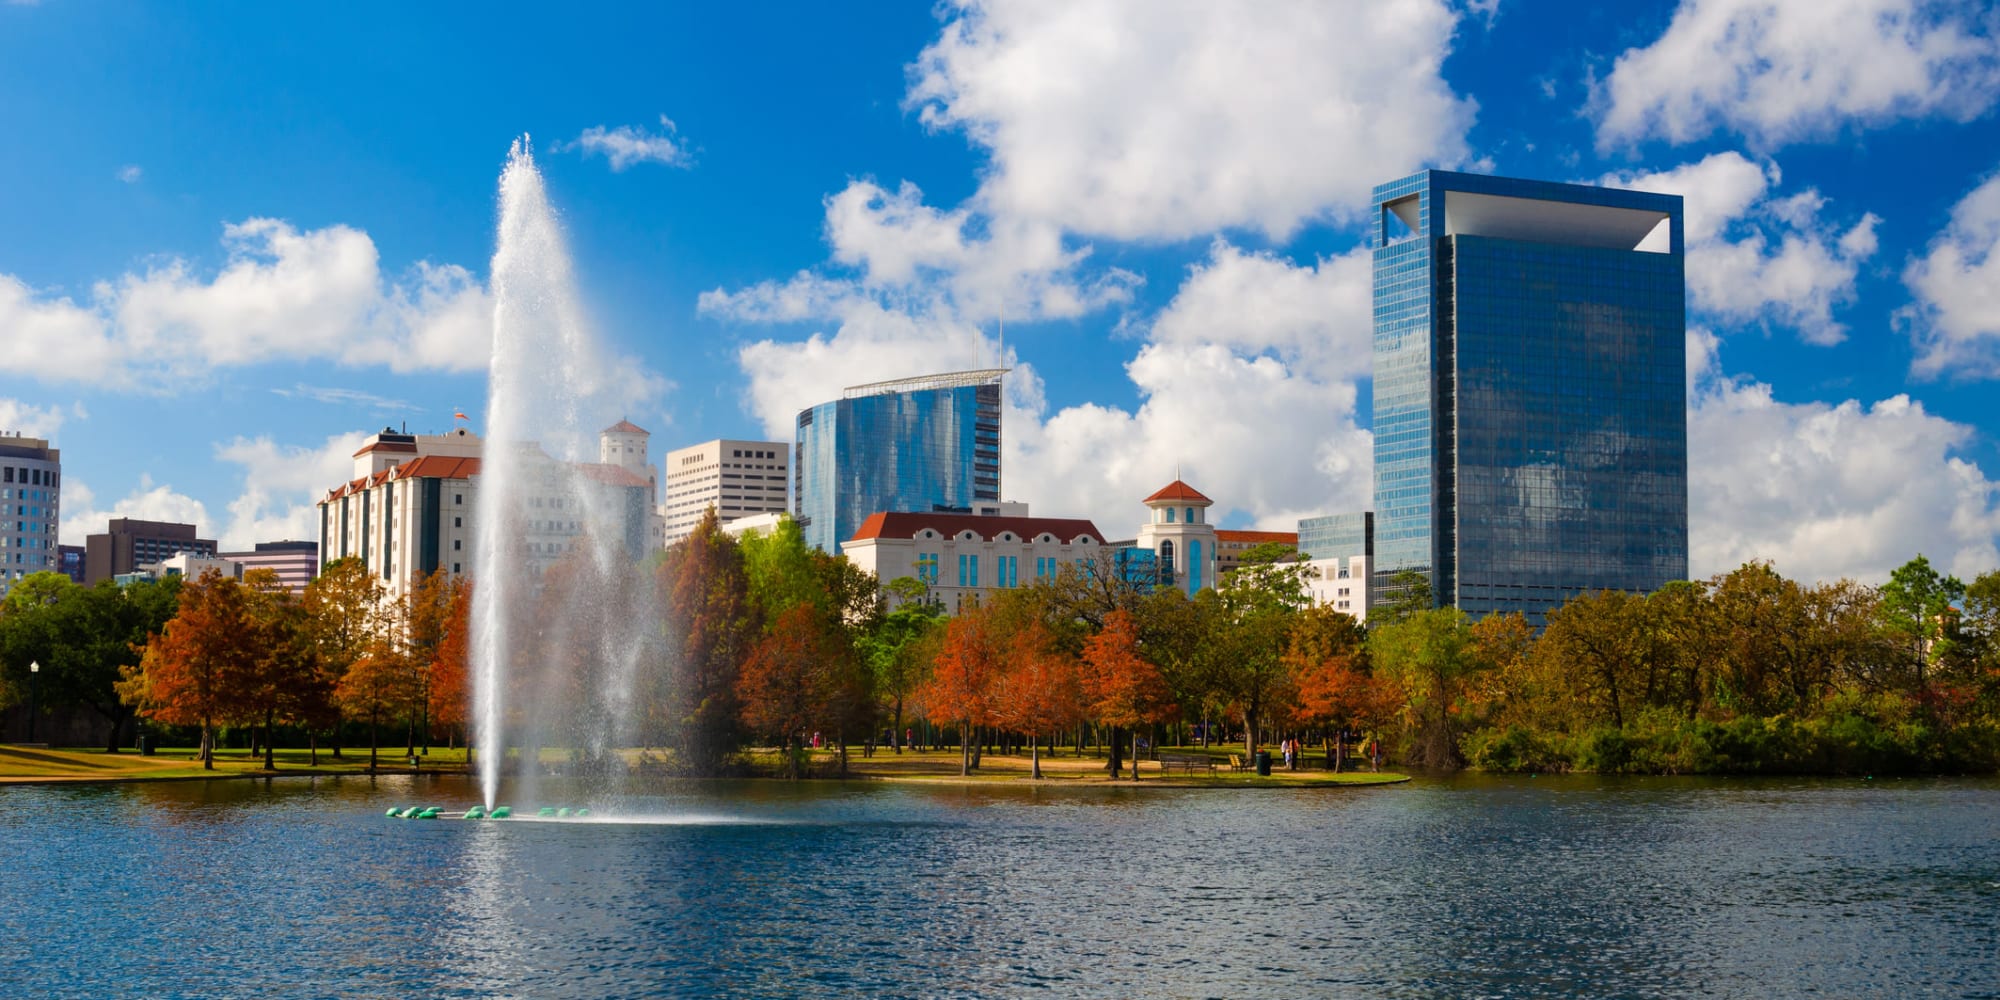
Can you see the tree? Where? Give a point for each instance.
(427, 612)
(801, 675)
(193, 672)
(1257, 606)
(283, 683)
(345, 617)
(84, 638)
(710, 627)
(1121, 687)
(1918, 614)
(960, 684)
(1407, 593)
(898, 650)
(1039, 689)
(1327, 654)
(1425, 655)
(376, 685)
(450, 688)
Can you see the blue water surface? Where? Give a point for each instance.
(1468, 887)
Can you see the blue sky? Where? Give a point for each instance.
(232, 241)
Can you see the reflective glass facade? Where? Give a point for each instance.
(913, 449)
(1338, 536)
(1530, 390)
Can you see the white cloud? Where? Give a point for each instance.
(630, 144)
(280, 485)
(130, 173)
(150, 501)
(1779, 71)
(30, 420)
(282, 295)
(1168, 120)
(1827, 490)
(1955, 321)
(1756, 257)
(1247, 379)
(345, 397)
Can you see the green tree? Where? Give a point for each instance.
(346, 614)
(1919, 616)
(1426, 655)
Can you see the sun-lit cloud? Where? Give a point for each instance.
(148, 501)
(629, 145)
(1780, 71)
(29, 420)
(1755, 256)
(1954, 323)
(280, 484)
(1829, 490)
(1174, 119)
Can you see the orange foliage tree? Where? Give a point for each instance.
(450, 688)
(1120, 686)
(194, 672)
(1038, 690)
(801, 675)
(1328, 657)
(959, 687)
(375, 686)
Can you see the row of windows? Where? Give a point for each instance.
(30, 476)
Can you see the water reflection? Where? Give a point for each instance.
(1575, 887)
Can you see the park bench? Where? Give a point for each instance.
(1237, 763)
(1187, 762)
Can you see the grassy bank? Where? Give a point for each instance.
(34, 765)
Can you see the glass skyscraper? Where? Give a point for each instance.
(1530, 390)
(911, 445)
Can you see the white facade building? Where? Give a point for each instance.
(30, 507)
(1341, 583)
(1178, 532)
(737, 478)
(967, 557)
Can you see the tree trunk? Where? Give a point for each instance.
(1035, 757)
(207, 746)
(1135, 753)
(270, 756)
(1115, 747)
(1249, 734)
(964, 750)
(896, 734)
(374, 741)
(312, 742)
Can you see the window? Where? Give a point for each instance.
(1190, 515)
(1170, 515)
(455, 545)
(458, 522)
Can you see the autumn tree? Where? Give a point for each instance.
(192, 673)
(345, 612)
(1328, 657)
(709, 629)
(1038, 690)
(283, 682)
(802, 675)
(1121, 687)
(449, 692)
(959, 688)
(375, 687)
(1425, 655)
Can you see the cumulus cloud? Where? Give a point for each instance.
(29, 420)
(1168, 120)
(1754, 256)
(1829, 490)
(627, 145)
(1778, 71)
(282, 295)
(280, 485)
(149, 501)
(1954, 323)
(1247, 378)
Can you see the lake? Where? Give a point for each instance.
(1461, 887)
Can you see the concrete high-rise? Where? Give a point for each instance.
(917, 445)
(1530, 390)
(30, 507)
(129, 543)
(738, 478)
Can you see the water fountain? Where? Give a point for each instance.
(559, 622)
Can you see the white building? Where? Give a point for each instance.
(296, 563)
(967, 557)
(190, 566)
(737, 478)
(1178, 532)
(1340, 582)
(30, 507)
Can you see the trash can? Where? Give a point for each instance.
(1264, 763)
(145, 745)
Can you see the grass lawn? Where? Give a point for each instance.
(942, 765)
(21, 764)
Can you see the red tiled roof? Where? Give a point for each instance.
(897, 524)
(624, 427)
(1178, 491)
(396, 446)
(1258, 537)
(438, 467)
(610, 475)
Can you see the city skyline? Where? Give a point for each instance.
(220, 287)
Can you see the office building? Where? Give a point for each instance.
(1231, 544)
(296, 563)
(30, 507)
(918, 445)
(69, 562)
(1338, 549)
(1530, 412)
(738, 478)
(965, 558)
(128, 543)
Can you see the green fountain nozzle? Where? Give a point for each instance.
(546, 811)
(500, 812)
(475, 813)
(580, 813)
(391, 813)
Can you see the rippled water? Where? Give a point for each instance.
(1462, 888)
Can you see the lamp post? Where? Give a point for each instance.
(34, 682)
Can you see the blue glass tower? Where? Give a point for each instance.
(1530, 390)
(912, 445)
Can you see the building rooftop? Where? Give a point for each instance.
(898, 524)
(1258, 537)
(625, 427)
(1178, 492)
(947, 380)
